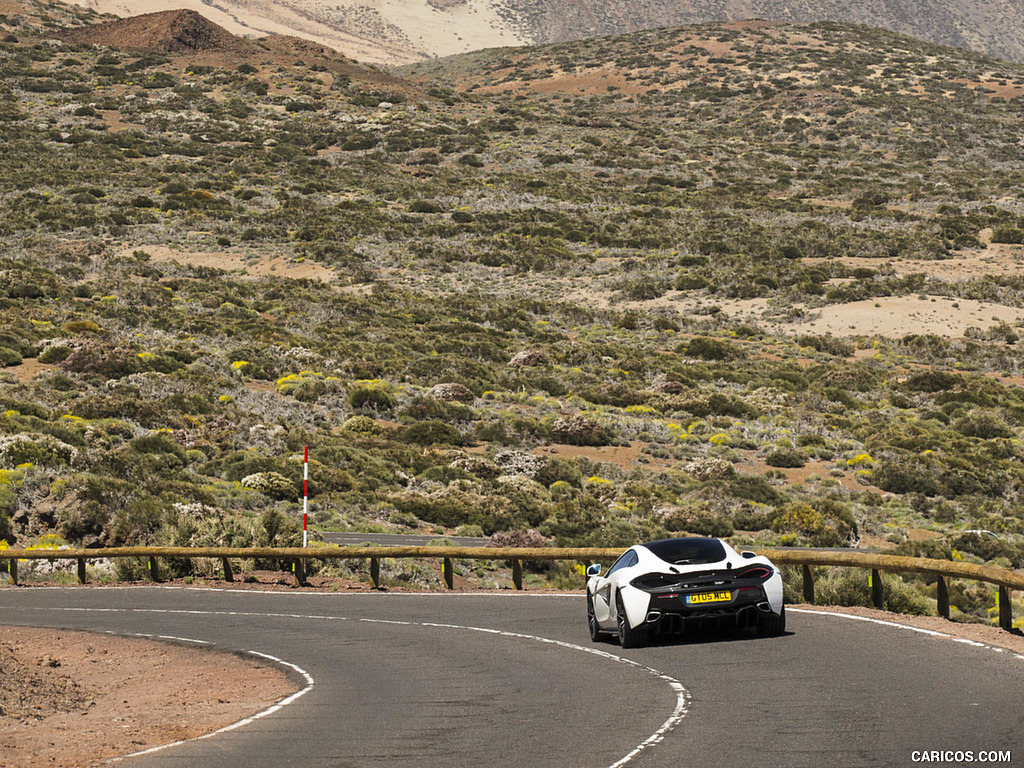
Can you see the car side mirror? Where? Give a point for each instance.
(594, 570)
(748, 554)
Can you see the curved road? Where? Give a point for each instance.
(512, 680)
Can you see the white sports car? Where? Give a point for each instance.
(666, 586)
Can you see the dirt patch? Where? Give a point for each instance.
(248, 265)
(754, 465)
(27, 369)
(622, 456)
(71, 699)
(995, 259)
(922, 534)
(895, 316)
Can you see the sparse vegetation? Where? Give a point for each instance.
(483, 301)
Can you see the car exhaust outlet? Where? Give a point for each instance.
(764, 607)
(653, 616)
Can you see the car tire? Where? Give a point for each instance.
(629, 637)
(596, 633)
(772, 625)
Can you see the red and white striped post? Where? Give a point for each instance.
(305, 492)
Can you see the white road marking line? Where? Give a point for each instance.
(680, 710)
(896, 624)
(246, 721)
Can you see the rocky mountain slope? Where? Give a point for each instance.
(402, 31)
(754, 279)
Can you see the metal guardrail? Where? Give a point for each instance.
(942, 570)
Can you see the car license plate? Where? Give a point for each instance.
(700, 598)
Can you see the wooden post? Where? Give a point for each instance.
(808, 585)
(229, 575)
(877, 589)
(375, 572)
(154, 570)
(299, 567)
(81, 570)
(12, 568)
(1005, 609)
(517, 573)
(449, 573)
(943, 597)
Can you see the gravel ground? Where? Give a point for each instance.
(74, 699)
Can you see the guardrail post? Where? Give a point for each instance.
(299, 567)
(154, 570)
(877, 589)
(1005, 609)
(12, 568)
(81, 570)
(449, 573)
(942, 595)
(808, 585)
(517, 573)
(375, 572)
(229, 575)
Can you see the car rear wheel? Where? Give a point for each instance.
(596, 633)
(629, 637)
(770, 625)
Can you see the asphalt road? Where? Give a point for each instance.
(512, 680)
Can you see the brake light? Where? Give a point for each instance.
(759, 572)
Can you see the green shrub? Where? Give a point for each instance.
(931, 381)
(828, 344)
(690, 282)
(1009, 235)
(55, 354)
(276, 529)
(430, 432)
(272, 484)
(157, 443)
(424, 206)
(983, 424)
(371, 398)
(705, 348)
(578, 429)
(785, 457)
(849, 587)
(36, 449)
(903, 473)
(137, 522)
(756, 489)
(829, 527)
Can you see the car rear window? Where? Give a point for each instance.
(687, 551)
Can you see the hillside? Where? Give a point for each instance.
(761, 280)
(410, 30)
(167, 32)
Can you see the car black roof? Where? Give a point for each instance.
(695, 549)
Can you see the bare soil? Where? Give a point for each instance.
(73, 699)
(244, 265)
(27, 369)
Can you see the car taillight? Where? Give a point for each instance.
(759, 572)
(656, 582)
